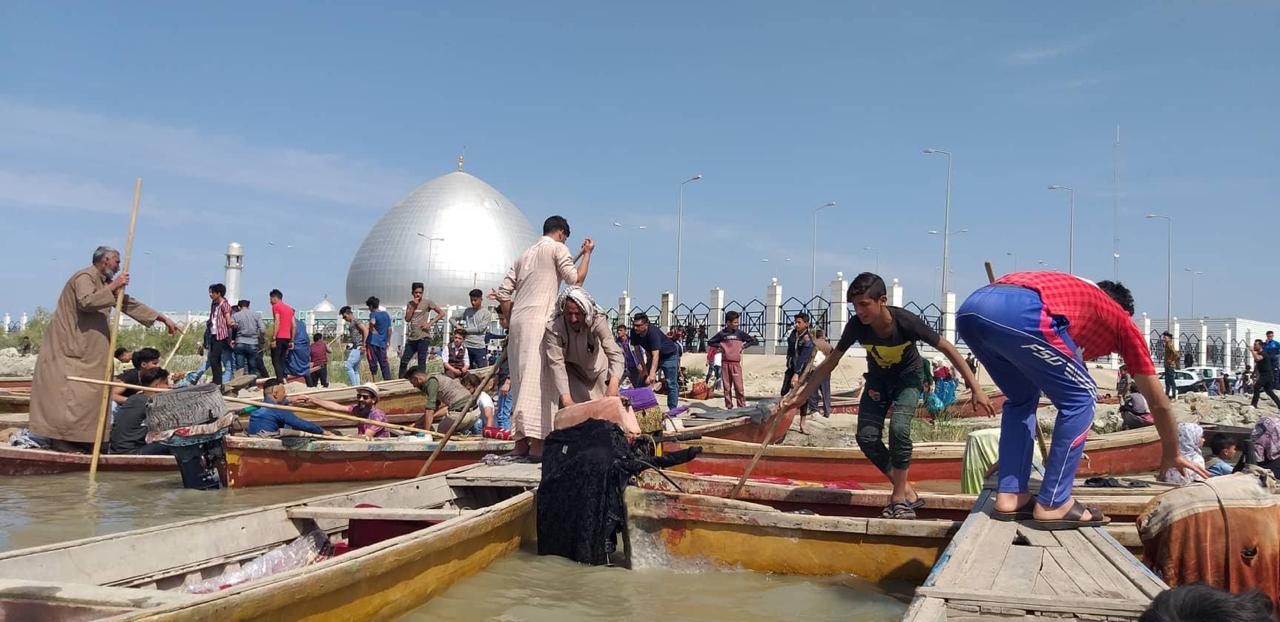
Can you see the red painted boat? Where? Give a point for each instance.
(18, 461)
(15, 382)
(961, 409)
(15, 401)
(267, 461)
(1118, 453)
(741, 428)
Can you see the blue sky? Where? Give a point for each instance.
(300, 123)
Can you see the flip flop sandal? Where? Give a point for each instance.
(1072, 519)
(1025, 511)
(917, 504)
(898, 510)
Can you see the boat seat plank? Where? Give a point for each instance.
(1020, 570)
(95, 595)
(504, 475)
(1036, 602)
(337, 513)
(990, 555)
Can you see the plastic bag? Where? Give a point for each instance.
(946, 391)
(934, 404)
(301, 552)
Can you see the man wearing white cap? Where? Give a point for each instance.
(367, 396)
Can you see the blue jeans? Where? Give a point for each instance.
(353, 366)
(413, 347)
(671, 367)
(249, 358)
(1002, 324)
(478, 357)
(378, 357)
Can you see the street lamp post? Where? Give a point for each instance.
(1071, 229)
(680, 237)
(813, 267)
(946, 226)
(629, 236)
(1194, 274)
(1168, 309)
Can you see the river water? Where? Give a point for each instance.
(520, 588)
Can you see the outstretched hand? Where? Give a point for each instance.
(1182, 465)
(981, 403)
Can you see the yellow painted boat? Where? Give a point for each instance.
(424, 535)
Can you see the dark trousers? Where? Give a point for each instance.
(1170, 387)
(280, 356)
(378, 356)
(319, 377)
(412, 348)
(478, 357)
(1265, 385)
(218, 349)
(249, 358)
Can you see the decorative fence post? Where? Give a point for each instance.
(715, 319)
(666, 311)
(1226, 349)
(1203, 354)
(22, 322)
(895, 294)
(772, 313)
(838, 309)
(949, 317)
(4, 330)
(624, 307)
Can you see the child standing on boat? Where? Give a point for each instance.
(1033, 331)
(895, 377)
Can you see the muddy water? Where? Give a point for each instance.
(519, 588)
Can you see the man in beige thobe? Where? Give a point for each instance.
(527, 296)
(76, 344)
(584, 361)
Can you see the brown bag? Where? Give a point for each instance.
(700, 391)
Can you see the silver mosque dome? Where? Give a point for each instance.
(454, 233)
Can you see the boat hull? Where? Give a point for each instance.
(17, 461)
(1119, 453)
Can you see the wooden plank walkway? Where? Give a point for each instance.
(995, 570)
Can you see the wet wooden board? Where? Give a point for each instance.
(1005, 570)
(519, 474)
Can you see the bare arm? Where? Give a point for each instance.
(325, 404)
(1166, 426)
(587, 248)
(439, 314)
(979, 397)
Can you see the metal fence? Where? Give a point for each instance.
(1240, 357)
(752, 316)
(816, 308)
(328, 328)
(1215, 351)
(1189, 348)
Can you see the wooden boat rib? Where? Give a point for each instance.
(449, 532)
(1118, 453)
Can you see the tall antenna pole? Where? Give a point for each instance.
(1115, 208)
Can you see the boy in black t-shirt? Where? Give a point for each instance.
(894, 380)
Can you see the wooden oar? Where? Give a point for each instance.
(773, 427)
(1044, 447)
(115, 332)
(471, 403)
(174, 351)
(315, 412)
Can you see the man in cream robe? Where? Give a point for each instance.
(76, 344)
(584, 361)
(527, 297)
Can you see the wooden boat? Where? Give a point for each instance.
(15, 382)
(15, 401)
(429, 533)
(740, 428)
(1118, 453)
(18, 461)
(961, 409)
(265, 461)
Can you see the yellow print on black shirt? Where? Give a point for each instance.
(887, 356)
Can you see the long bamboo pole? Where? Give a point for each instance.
(174, 351)
(115, 332)
(471, 403)
(315, 412)
(773, 426)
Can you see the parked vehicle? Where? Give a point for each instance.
(1186, 382)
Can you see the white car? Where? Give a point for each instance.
(1185, 381)
(1205, 373)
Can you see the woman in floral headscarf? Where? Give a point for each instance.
(582, 359)
(1190, 440)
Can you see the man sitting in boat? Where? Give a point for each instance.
(443, 393)
(584, 359)
(129, 428)
(268, 421)
(366, 406)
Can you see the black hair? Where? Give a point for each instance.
(148, 376)
(460, 331)
(219, 289)
(1196, 602)
(416, 285)
(555, 223)
(271, 382)
(119, 351)
(621, 327)
(275, 293)
(802, 316)
(413, 371)
(867, 284)
(475, 293)
(1118, 293)
(145, 355)
(641, 316)
(317, 337)
(345, 310)
(244, 304)
(1167, 334)
(372, 302)
(1219, 442)
(731, 316)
